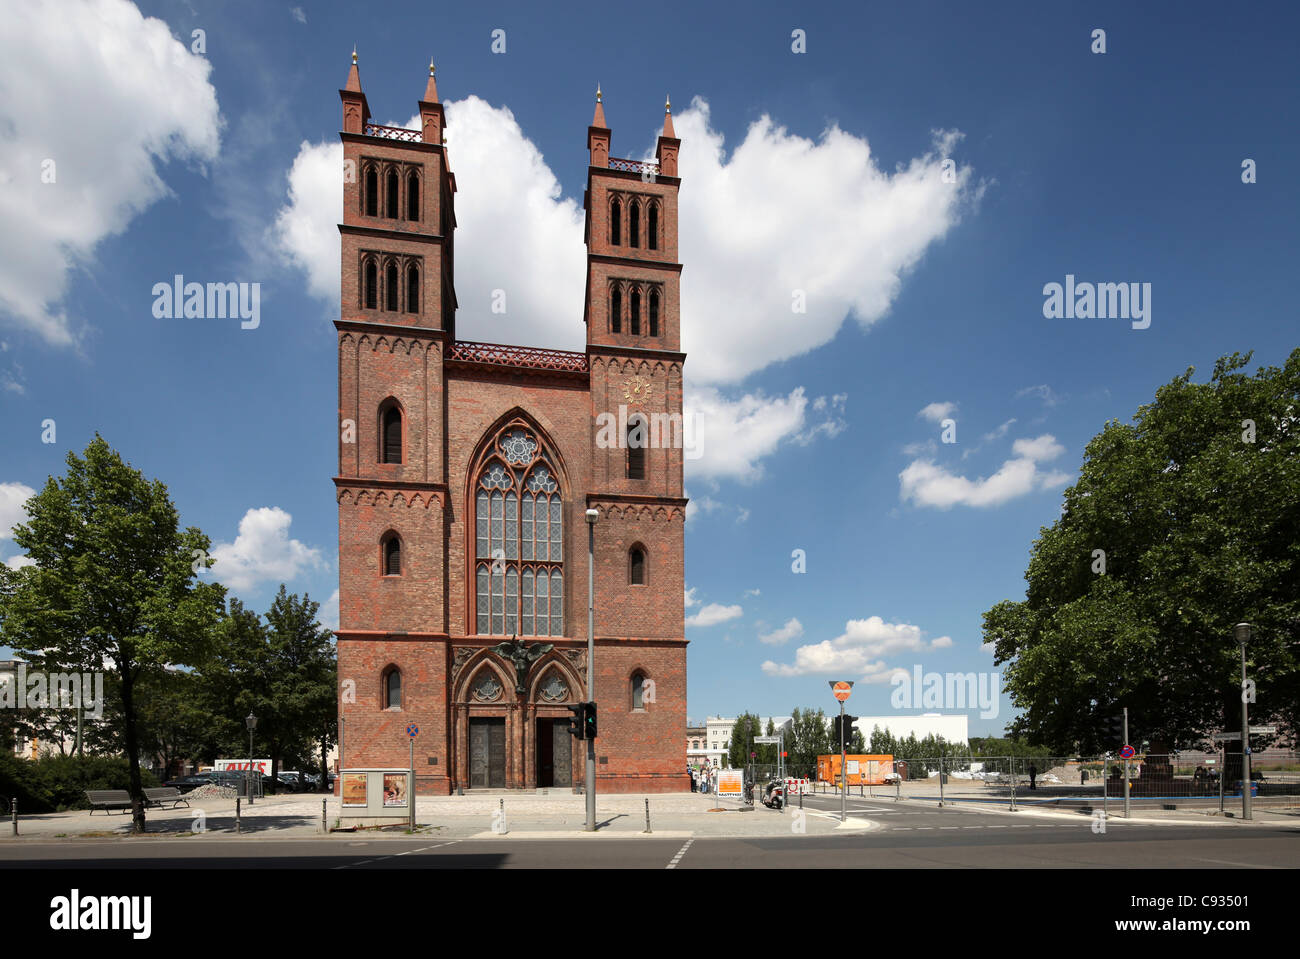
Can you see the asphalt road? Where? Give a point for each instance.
(909, 835)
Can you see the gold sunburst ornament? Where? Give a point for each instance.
(636, 390)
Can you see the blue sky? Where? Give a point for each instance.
(819, 171)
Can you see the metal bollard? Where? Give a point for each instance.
(13, 811)
(323, 826)
(237, 802)
(647, 814)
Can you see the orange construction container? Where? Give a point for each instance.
(863, 770)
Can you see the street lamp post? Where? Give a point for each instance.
(1242, 633)
(592, 516)
(251, 723)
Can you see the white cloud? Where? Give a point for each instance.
(298, 14)
(792, 629)
(713, 614)
(690, 598)
(733, 435)
(937, 412)
(1043, 392)
(262, 552)
(859, 651)
(753, 592)
(329, 612)
(927, 484)
(781, 213)
(18, 562)
(84, 72)
(13, 497)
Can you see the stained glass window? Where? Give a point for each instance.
(518, 539)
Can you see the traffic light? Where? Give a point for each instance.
(576, 723)
(848, 731)
(588, 720)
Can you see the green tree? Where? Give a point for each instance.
(746, 727)
(113, 585)
(1194, 510)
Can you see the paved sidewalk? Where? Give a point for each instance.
(526, 815)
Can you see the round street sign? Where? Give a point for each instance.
(842, 691)
(1128, 752)
(412, 730)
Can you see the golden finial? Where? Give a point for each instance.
(668, 105)
(431, 66)
(597, 92)
(354, 53)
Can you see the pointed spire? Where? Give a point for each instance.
(354, 78)
(599, 119)
(668, 120)
(431, 90)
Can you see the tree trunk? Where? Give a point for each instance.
(132, 751)
(324, 771)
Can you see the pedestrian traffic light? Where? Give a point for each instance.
(577, 723)
(588, 720)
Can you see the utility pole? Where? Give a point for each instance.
(1126, 767)
(1242, 633)
(592, 516)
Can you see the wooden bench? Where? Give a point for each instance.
(108, 799)
(165, 794)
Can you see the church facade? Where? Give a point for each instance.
(466, 473)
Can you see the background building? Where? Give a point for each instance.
(951, 728)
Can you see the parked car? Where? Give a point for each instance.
(187, 783)
(290, 781)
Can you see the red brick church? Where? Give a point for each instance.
(465, 473)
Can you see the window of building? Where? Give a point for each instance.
(636, 444)
(372, 286)
(654, 312)
(635, 304)
(519, 539)
(391, 184)
(412, 290)
(413, 196)
(652, 226)
(638, 692)
(390, 433)
(392, 555)
(616, 310)
(636, 566)
(634, 224)
(390, 287)
(371, 187)
(615, 222)
(392, 688)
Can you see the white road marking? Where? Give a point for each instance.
(680, 852)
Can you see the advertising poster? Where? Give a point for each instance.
(394, 789)
(354, 789)
(731, 783)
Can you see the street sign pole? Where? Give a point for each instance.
(1126, 809)
(410, 791)
(1245, 744)
(592, 516)
(842, 691)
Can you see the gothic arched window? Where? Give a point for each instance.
(392, 688)
(519, 538)
(652, 226)
(372, 192)
(413, 196)
(412, 290)
(634, 224)
(615, 310)
(372, 286)
(390, 287)
(636, 312)
(654, 312)
(391, 190)
(636, 566)
(392, 548)
(615, 222)
(390, 433)
(637, 440)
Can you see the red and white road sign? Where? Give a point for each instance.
(842, 691)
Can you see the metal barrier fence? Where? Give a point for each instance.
(1195, 779)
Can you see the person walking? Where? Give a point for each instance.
(695, 781)
(1033, 774)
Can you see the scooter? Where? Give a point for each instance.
(774, 794)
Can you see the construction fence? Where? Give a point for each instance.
(1152, 779)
